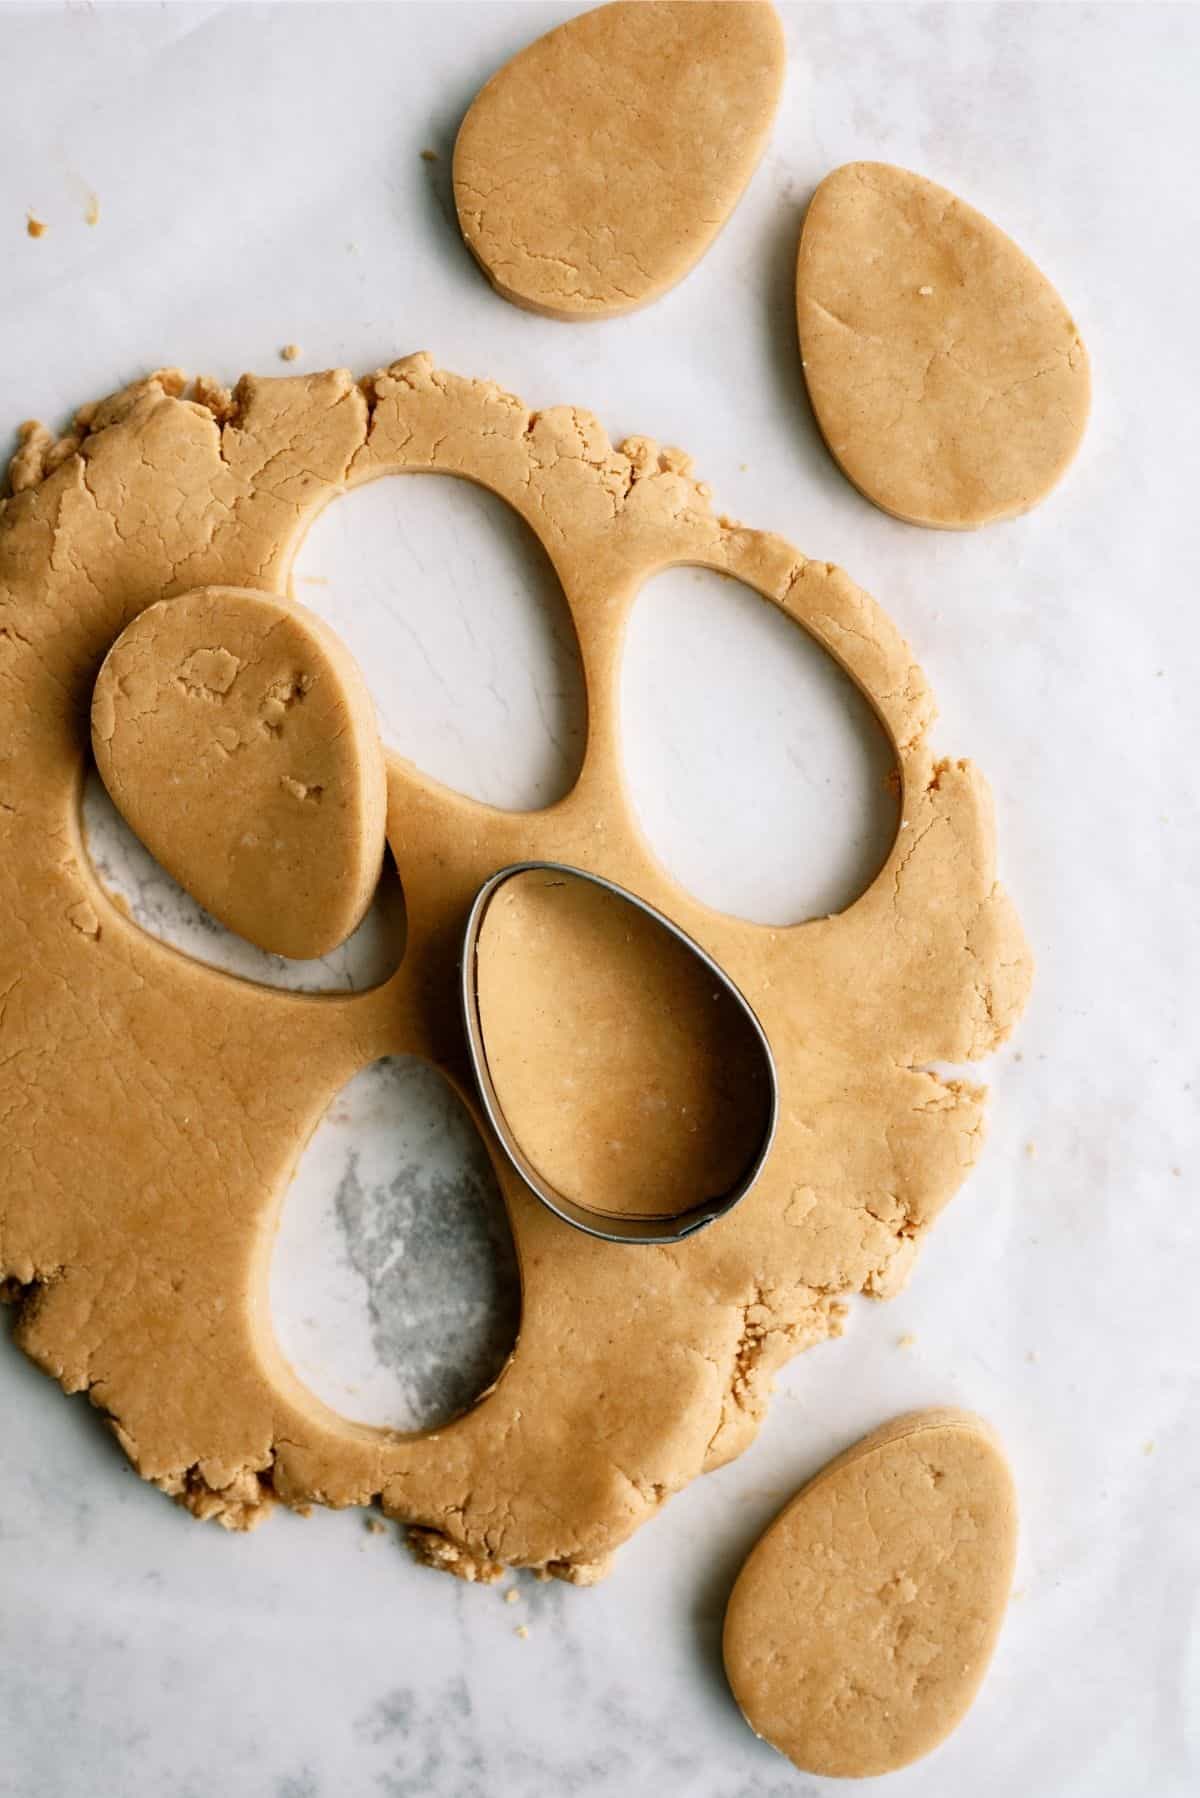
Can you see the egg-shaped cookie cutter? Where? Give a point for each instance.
(606, 1225)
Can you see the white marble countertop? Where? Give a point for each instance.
(260, 181)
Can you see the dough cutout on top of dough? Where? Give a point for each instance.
(138, 1255)
(946, 375)
(237, 739)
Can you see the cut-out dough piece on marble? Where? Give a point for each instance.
(155, 1109)
(629, 1074)
(946, 375)
(237, 740)
(595, 168)
(863, 1621)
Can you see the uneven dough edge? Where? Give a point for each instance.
(153, 493)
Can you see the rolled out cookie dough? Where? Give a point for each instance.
(947, 377)
(238, 740)
(863, 1622)
(595, 169)
(137, 1253)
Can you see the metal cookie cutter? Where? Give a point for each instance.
(608, 1226)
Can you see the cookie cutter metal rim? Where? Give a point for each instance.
(606, 1226)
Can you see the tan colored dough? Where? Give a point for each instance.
(595, 169)
(238, 740)
(632, 1080)
(947, 377)
(139, 1255)
(863, 1622)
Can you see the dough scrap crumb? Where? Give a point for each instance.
(38, 454)
(27, 468)
(35, 227)
(432, 1549)
(906, 1341)
(513, 1595)
(299, 790)
(580, 1573)
(91, 215)
(215, 397)
(289, 352)
(1148, 1447)
(82, 917)
(430, 156)
(522, 1630)
(241, 1505)
(375, 1526)
(209, 673)
(1031, 1151)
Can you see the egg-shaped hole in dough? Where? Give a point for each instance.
(458, 621)
(394, 1292)
(141, 889)
(761, 776)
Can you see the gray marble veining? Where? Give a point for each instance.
(434, 1250)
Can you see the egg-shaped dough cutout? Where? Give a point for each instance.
(238, 741)
(863, 1621)
(595, 168)
(947, 377)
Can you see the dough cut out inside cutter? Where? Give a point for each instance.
(570, 984)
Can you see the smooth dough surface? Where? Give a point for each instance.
(631, 1078)
(238, 740)
(594, 169)
(946, 375)
(863, 1622)
(138, 1255)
